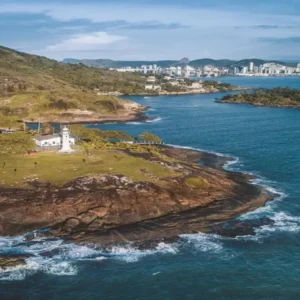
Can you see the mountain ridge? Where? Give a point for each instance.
(109, 63)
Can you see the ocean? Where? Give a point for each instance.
(265, 142)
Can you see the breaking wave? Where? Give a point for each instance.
(56, 257)
(156, 119)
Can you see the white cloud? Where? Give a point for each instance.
(86, 42)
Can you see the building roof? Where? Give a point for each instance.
(39, 137)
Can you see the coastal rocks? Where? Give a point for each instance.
(12, 260)
(239, 228)
(108, 208)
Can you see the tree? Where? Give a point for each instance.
(149, 137)
(47, 128)
(17, 142)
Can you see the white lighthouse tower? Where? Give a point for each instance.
(65, 141)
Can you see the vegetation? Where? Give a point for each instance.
(196, 182)
(222, 86)
(21, 72)
(274, 97)
(16, 169)
(47, 128)
(10, 122)
(149, 138)
(17, 142)
(97, 151)
(51, 106)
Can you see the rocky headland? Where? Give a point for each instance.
(112, 208)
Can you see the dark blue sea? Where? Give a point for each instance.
(265, 142)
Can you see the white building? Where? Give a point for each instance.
(63, 140)
(251, 66)
(66, 141)
(152, 87)
(151, 79)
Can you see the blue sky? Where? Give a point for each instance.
(152, 30)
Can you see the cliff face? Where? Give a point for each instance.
(107, 208)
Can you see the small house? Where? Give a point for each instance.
(63, 140)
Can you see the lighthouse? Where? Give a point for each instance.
(65, 141)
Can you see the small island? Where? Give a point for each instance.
(277, 97)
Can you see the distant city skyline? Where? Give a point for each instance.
(153, 30)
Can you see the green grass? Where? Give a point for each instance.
(196, 182)
(20, 71)
(61, 168)
(51, 105)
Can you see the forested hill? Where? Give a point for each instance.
(19, 71)
(108, 63)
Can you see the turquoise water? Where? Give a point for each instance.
(265, 142)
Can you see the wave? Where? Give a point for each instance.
(134, 123)
(156, 119)
(203, 150)
(283, 222)
(203, 242)
(55, 257)
(129, 253)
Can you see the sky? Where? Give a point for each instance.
(152, 30)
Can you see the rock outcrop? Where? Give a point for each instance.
(106, 208)
(12, 261)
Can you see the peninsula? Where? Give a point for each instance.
(277, 97)
(110, 189)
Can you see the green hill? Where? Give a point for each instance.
(20, 71)
(35, 88)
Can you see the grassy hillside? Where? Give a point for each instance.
(62, 106)
(21, 72)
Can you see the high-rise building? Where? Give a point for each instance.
(198, 72)
(251, 66)
(179, 71)
(244, 70)
(236, 70)
(144, 68)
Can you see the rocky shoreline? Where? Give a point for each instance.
(105, 209)
(136, 116)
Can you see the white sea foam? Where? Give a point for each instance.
(203, 242)
(134, 123)
(156, 119)
(59, 258)
(156, 273)
(283, 222)
(202, 150)
(129, 253)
